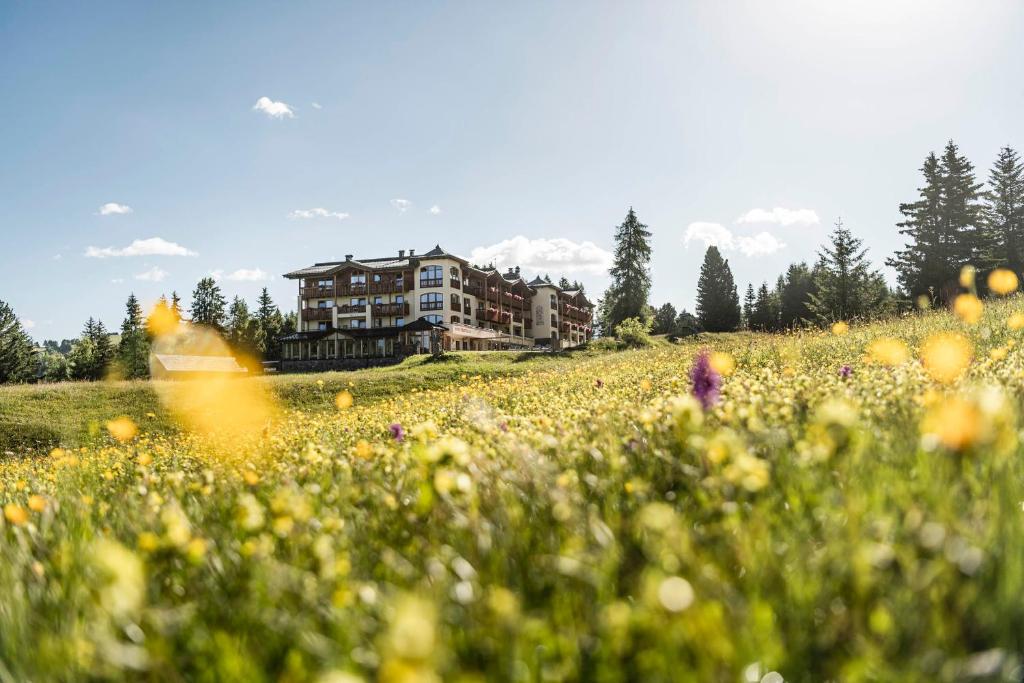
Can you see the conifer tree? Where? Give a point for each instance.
(563, 283)
(133, 350)
(664, 319)
(241, 327)
(718, 305)
(17, 361)
(748, 305)
(269, 326)
(92, 353)
(160, 309)
(845, 286)
(175, 305)
(208, 304)
(1004, 212)
(794, 294)
(631, 279)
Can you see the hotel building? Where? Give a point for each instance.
(360, 312)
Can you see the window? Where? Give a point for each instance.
(378, 300)
(399, 322)
(399, 299)
(358, 279)
(377, 322)
(376, 277)
(326, 303)
(554, 321)
(357, 323)
(436, 319)
(465, 321)
(322, 326)
(358, 301)
(431, 301)
(325, 283)
(456, 303)
(455, 273)
(554, 302)
(455, 319)
(430, 276)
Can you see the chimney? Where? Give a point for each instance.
(401, 253)
(412, 252)
(348, 257)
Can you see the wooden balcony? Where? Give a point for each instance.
(431, 305)
(351, 308)
(473, 290)
(316, 314)
(316, 292)
(385, 310)
(489, 314)
(348, 290)
(455, 283)
(391, 287)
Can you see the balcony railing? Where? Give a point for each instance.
(352, 308)
(431, 305)
(385, 310)
(455, 283)
(390, 287)
(316, 292)
(431, 283)
(316, 314)
(473, 290)
(346, 290)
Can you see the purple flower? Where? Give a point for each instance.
(599, 383)
(397, 432)
(705, 380)
(845, 371)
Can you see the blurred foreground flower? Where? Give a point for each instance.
(706, 382)
(122, 428)
(840, 328)
(888, 351)
(946, 355)
(722, 363)
(1002, 281)
(968, 308)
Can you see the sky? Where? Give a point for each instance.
(147, 145)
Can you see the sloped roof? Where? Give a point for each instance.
(540, 282)
(182, 363)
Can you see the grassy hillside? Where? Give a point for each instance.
(849, 508)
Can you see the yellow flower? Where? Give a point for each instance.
(722, 363)
(645, 384)
(968, 307)
(363, 449)
(250, 477)
(888, 351)
(343, 400)
(15, 514)
(946, 355)
(1002, 281)
(122, 428)
(36, 503)
(840, 328)
(967, 277)
(954, 423)
(1015, 321)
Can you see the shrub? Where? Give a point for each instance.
(634, 333)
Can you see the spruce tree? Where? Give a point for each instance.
(718, 305)
(175, 305)
(631, 279)
(241, 327)
(794, 295)
(17, 352)
(104, 350)
(269, 326)
(1004, 212)
(845, 286)
(208, 304)
(133, 350)
(664, 319)
(748, 306)
(158, 313)
(563, 283)
(91, 353)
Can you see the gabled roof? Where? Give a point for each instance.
(541, 282)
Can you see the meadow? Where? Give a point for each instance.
(847, 505)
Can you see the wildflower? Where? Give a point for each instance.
(888, 351)
(397, 433)
(343, 400)
(123, 586)
(1002, 281)
(645, 384)
(722, 363)
(945, 356)
(36, 503)
(968, 308)
(598, 383)
(1015, 321)
(122, 428)
(15, 514)
(955, 423)
(705, 380)
(840, 328)
(363, 449)
(845, 372)
(967, 274)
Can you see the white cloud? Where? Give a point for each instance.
(435, 209)
(780, 216)
(28, 324)
(318, 212)
(275, 110)
(154, 274)
(720, 236)
(57, 257)
(555, 256)
(401, 204)
(317, 105)
(114, 209)
(154, 246)
(241, 275)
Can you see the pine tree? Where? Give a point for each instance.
(631, 279)
(269, 326)
(794, 295)
(208, 304)
(241, 327)
(1004, 212)
(563, 283)
(845, 287)
(17, 361)
(748, 306)
(133, 350)
(157, 314)
(175, 305)
(91, 353)
(765, 315)
(664, 320)
(718, 305)
(104, 350)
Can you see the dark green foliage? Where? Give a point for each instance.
(208, 305)
(631, 279)
(686, 324)
(664, 320)
(794, 294)
(749, 299)
(765, 314)
(845, 286)
(270, 326)
(92, 353)
(133, 350)
(1004, 212)
(17, 353)
(634, 333)
(945, 228)
(718, 305)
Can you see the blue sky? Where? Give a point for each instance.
(528, 128)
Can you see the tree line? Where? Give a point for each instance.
(954, 221)
(98, 353)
